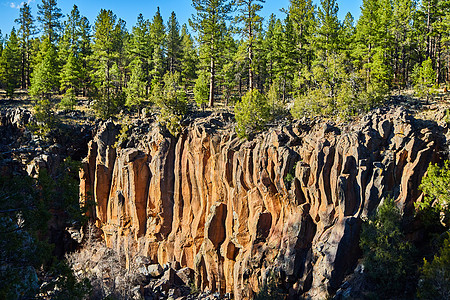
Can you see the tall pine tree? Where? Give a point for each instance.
(251, 25)
(49, 15)
(26, 30)
(173, 44)
(209, 23)
(10, 64)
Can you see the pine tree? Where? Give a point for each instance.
(44, 79)
(85, 52)
(403, 12)
(10, 64)
(329, 28)
(251, 25)
(69, 82)
(26, 30)
(173, 43)
(209, 23)
(107, 51)
(189, 58)
(302, 15)
(373, 46)
(172, 102)
(158, 38)
(49, 15)
(1, 42)
(136, 87)
(140, 53)
(424, 79)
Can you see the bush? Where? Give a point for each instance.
(435, 185)
(388, 257)
(201, 90)
(434, 282)
(252, 113)
(68, 101)
(172, 101)
(424, 79)
(45, 120)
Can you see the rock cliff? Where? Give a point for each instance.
(288, 204)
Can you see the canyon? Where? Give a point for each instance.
(287, 204)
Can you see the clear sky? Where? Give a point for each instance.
(129, 10)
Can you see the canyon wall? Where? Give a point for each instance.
(288, 203)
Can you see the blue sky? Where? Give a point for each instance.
(129, 10)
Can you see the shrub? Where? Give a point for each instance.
(424, 79)
(436, 187)
(201, 90)
(172, 101)
(388, 257)
(252, 113)
(68, 101)
(434, 282)
(45, 120)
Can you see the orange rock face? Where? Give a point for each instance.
(289, 202)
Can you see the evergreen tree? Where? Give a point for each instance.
(72, 28)
(403, 12)
(174, 50)
(85, 52)
(50, 17)
(424, 79)
(44, 79)
(388, 257)
(252, 113)
(201, 89)
(26, 30)
(251, 25)
(70, 78)
(302, 15)
(158, 38)
(107, 49)
(209, 23)
(172, 101)
(189, 58)
(10, 64)
(140, 53)
(136, 87)
(373, 47)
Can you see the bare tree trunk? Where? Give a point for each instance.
(211, 83)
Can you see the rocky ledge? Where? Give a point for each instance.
(287, 204)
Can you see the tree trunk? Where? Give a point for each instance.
(211, 84)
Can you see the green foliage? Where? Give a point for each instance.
(436, 187)
(174, 50)
(388, 257)
(49, 15)
(424, 79)
(172, 101)
(44, 78)
(209, 23)
(123, 133)
(26, 30)
(252, 113)
(10, 65)
(434, 282)
(69, 100)
(270, 289)
(189, 59)
(108, 47)
(137, 86)
(25, 206)
(45, 119)
(201, 90)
